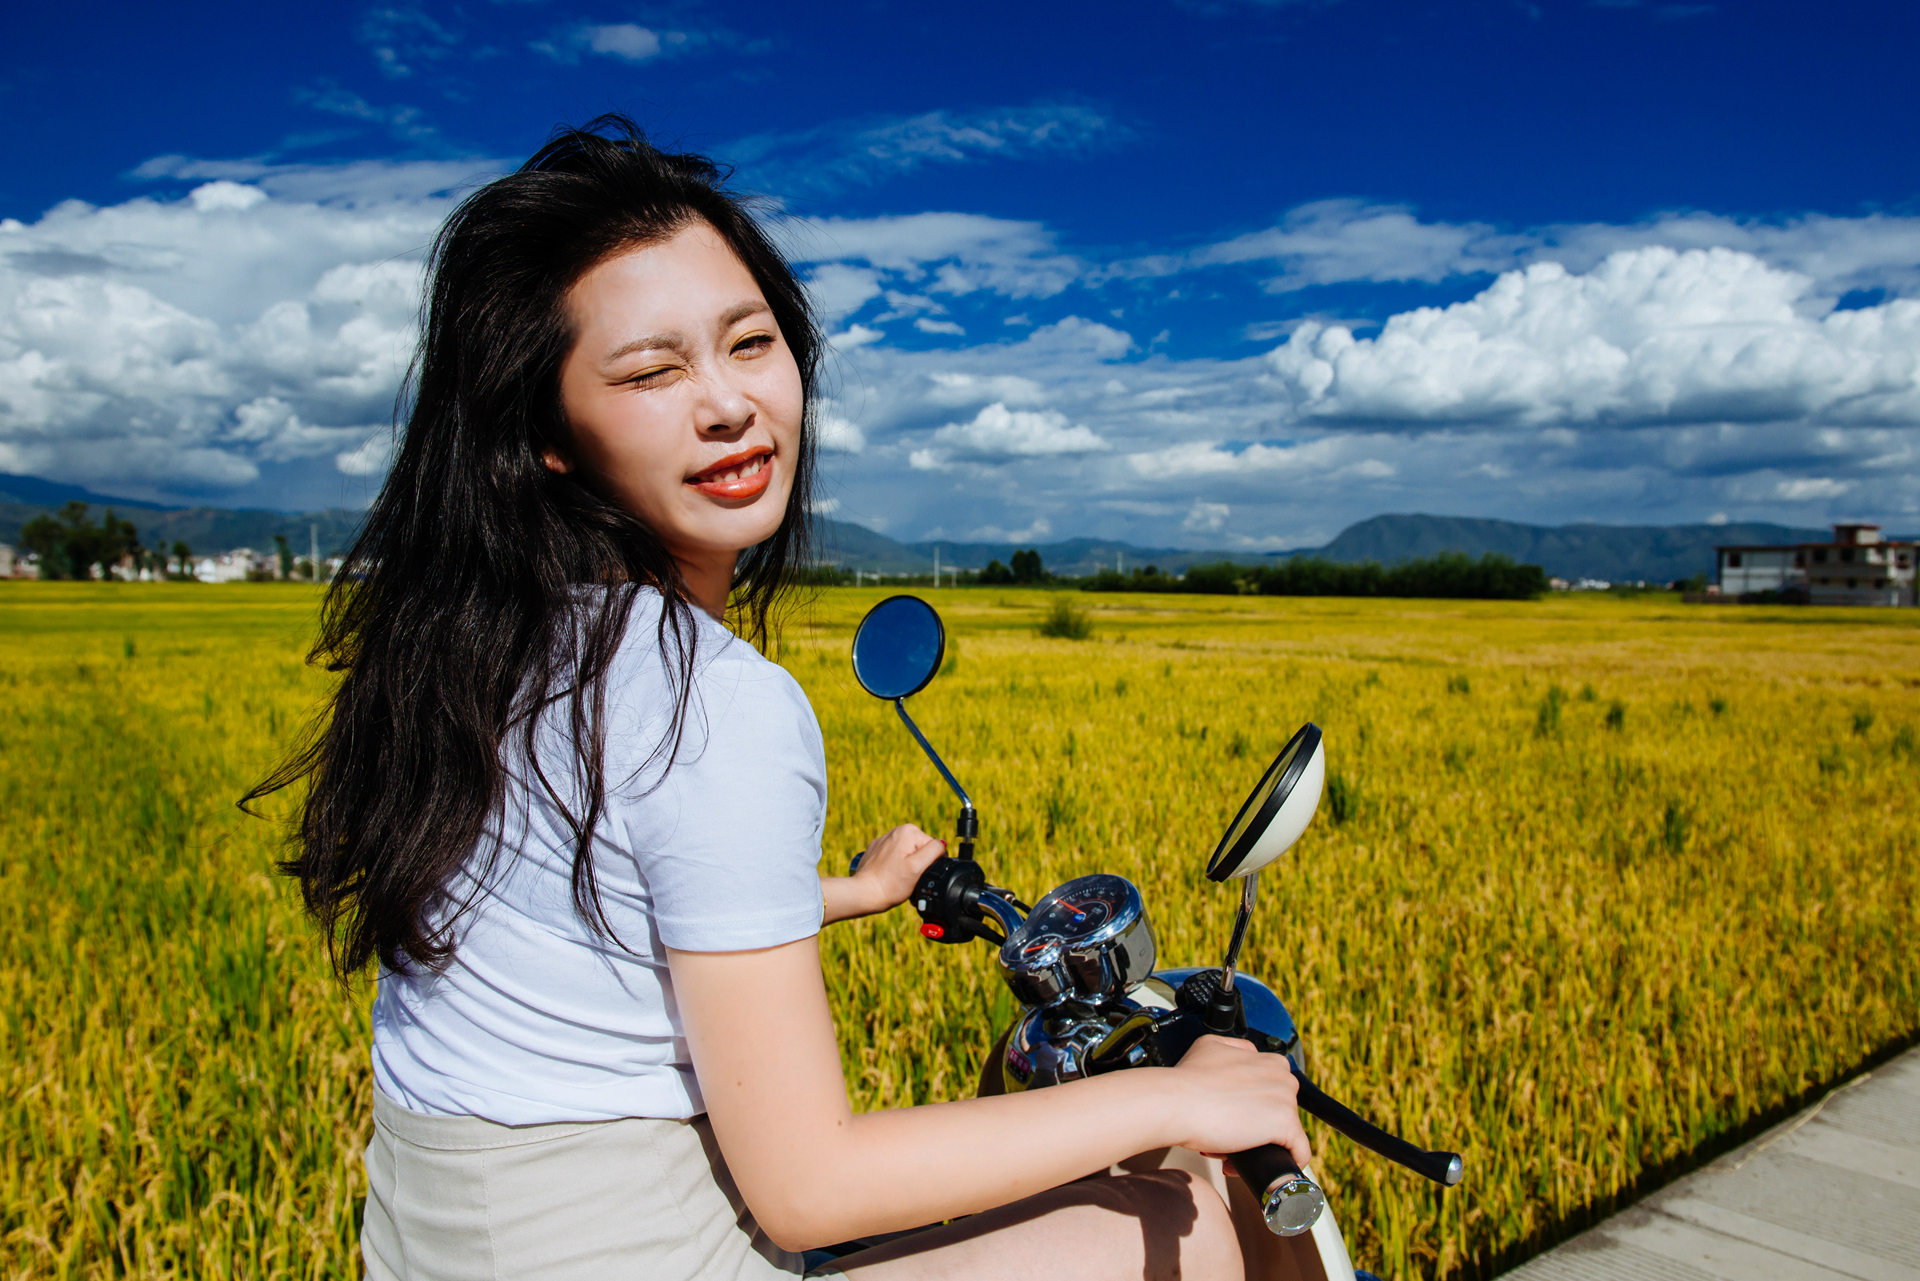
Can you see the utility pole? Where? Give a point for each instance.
(1123, 563)
(313, 551)
(936, 567)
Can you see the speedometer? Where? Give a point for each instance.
(1086, 941)
(1079, 908)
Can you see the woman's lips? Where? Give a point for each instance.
(741, 475)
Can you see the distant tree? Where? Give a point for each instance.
(183, 554)
(1222, 579)
(1027, 567)
(1447, 575)
(286, 555)
(996, 574)
(71, 544)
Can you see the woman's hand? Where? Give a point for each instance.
(889, 869)
(1235, 1098)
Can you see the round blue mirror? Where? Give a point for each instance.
(898, 647)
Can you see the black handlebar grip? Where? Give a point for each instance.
(1290, 1202)
(1443, 1168)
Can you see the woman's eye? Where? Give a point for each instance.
(753, 343)
(648, 376)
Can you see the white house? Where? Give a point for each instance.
(1858, 567)
(233, 566)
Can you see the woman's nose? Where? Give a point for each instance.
(725, 410)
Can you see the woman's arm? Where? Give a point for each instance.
(815, 1173)
(889, 869)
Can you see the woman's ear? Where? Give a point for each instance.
(555, 461)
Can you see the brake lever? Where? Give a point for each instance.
(1444, 1168)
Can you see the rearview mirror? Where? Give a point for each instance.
(898, 647)
(1278, 810)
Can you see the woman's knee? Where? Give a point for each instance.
(1186, 1228)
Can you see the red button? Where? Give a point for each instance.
(932, 931)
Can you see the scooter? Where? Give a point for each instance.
(1081, 963)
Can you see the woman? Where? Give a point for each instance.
(576, 820)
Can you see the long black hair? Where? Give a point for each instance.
(458, 616)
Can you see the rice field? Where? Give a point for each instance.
(1598, 886)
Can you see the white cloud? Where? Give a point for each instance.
(222, 194)
(368, 460)
(855, 336)
(824, 506)
(1345, 240)
(999, 434)
(1033, 533)
(1206, 518)
(1348, 241)
(625, 41)
(179, 345)
(1812, 487)
(838, 289)
(254, 329)
(1649, 336)
(951, 387)
(950, 253)
(839, 436)
(927, 326)
(860, 152)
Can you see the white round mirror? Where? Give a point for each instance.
(1277, 812)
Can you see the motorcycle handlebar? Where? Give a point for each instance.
(1443, 1168)
(1290, 1202)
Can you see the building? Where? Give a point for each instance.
(237, 566)
(1858, 567)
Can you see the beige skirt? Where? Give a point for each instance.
(462, 1199)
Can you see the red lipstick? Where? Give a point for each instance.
(741, 475)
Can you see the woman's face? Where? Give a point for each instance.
(682, 397)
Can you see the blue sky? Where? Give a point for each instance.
(1225, 274)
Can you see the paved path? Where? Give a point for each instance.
(1832, 1193)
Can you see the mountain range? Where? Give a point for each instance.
(1616, 553)
(204, 529)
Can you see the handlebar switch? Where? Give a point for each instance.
(947, 897)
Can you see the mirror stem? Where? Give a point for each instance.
(1248, 886)
(969, 825)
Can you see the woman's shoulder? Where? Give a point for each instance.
(731, 679)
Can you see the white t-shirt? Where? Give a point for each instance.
(537, 1019)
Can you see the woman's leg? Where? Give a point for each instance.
(1157, 1226)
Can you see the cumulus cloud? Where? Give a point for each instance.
(998, 434)
(252, 332)
(1649, 336)
(952, 387)
(945, 253)
(177, 346)
(1206, 518)
(1346, 241)
(370, 459)
(839, 436)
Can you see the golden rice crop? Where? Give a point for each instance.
(1597, 886)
